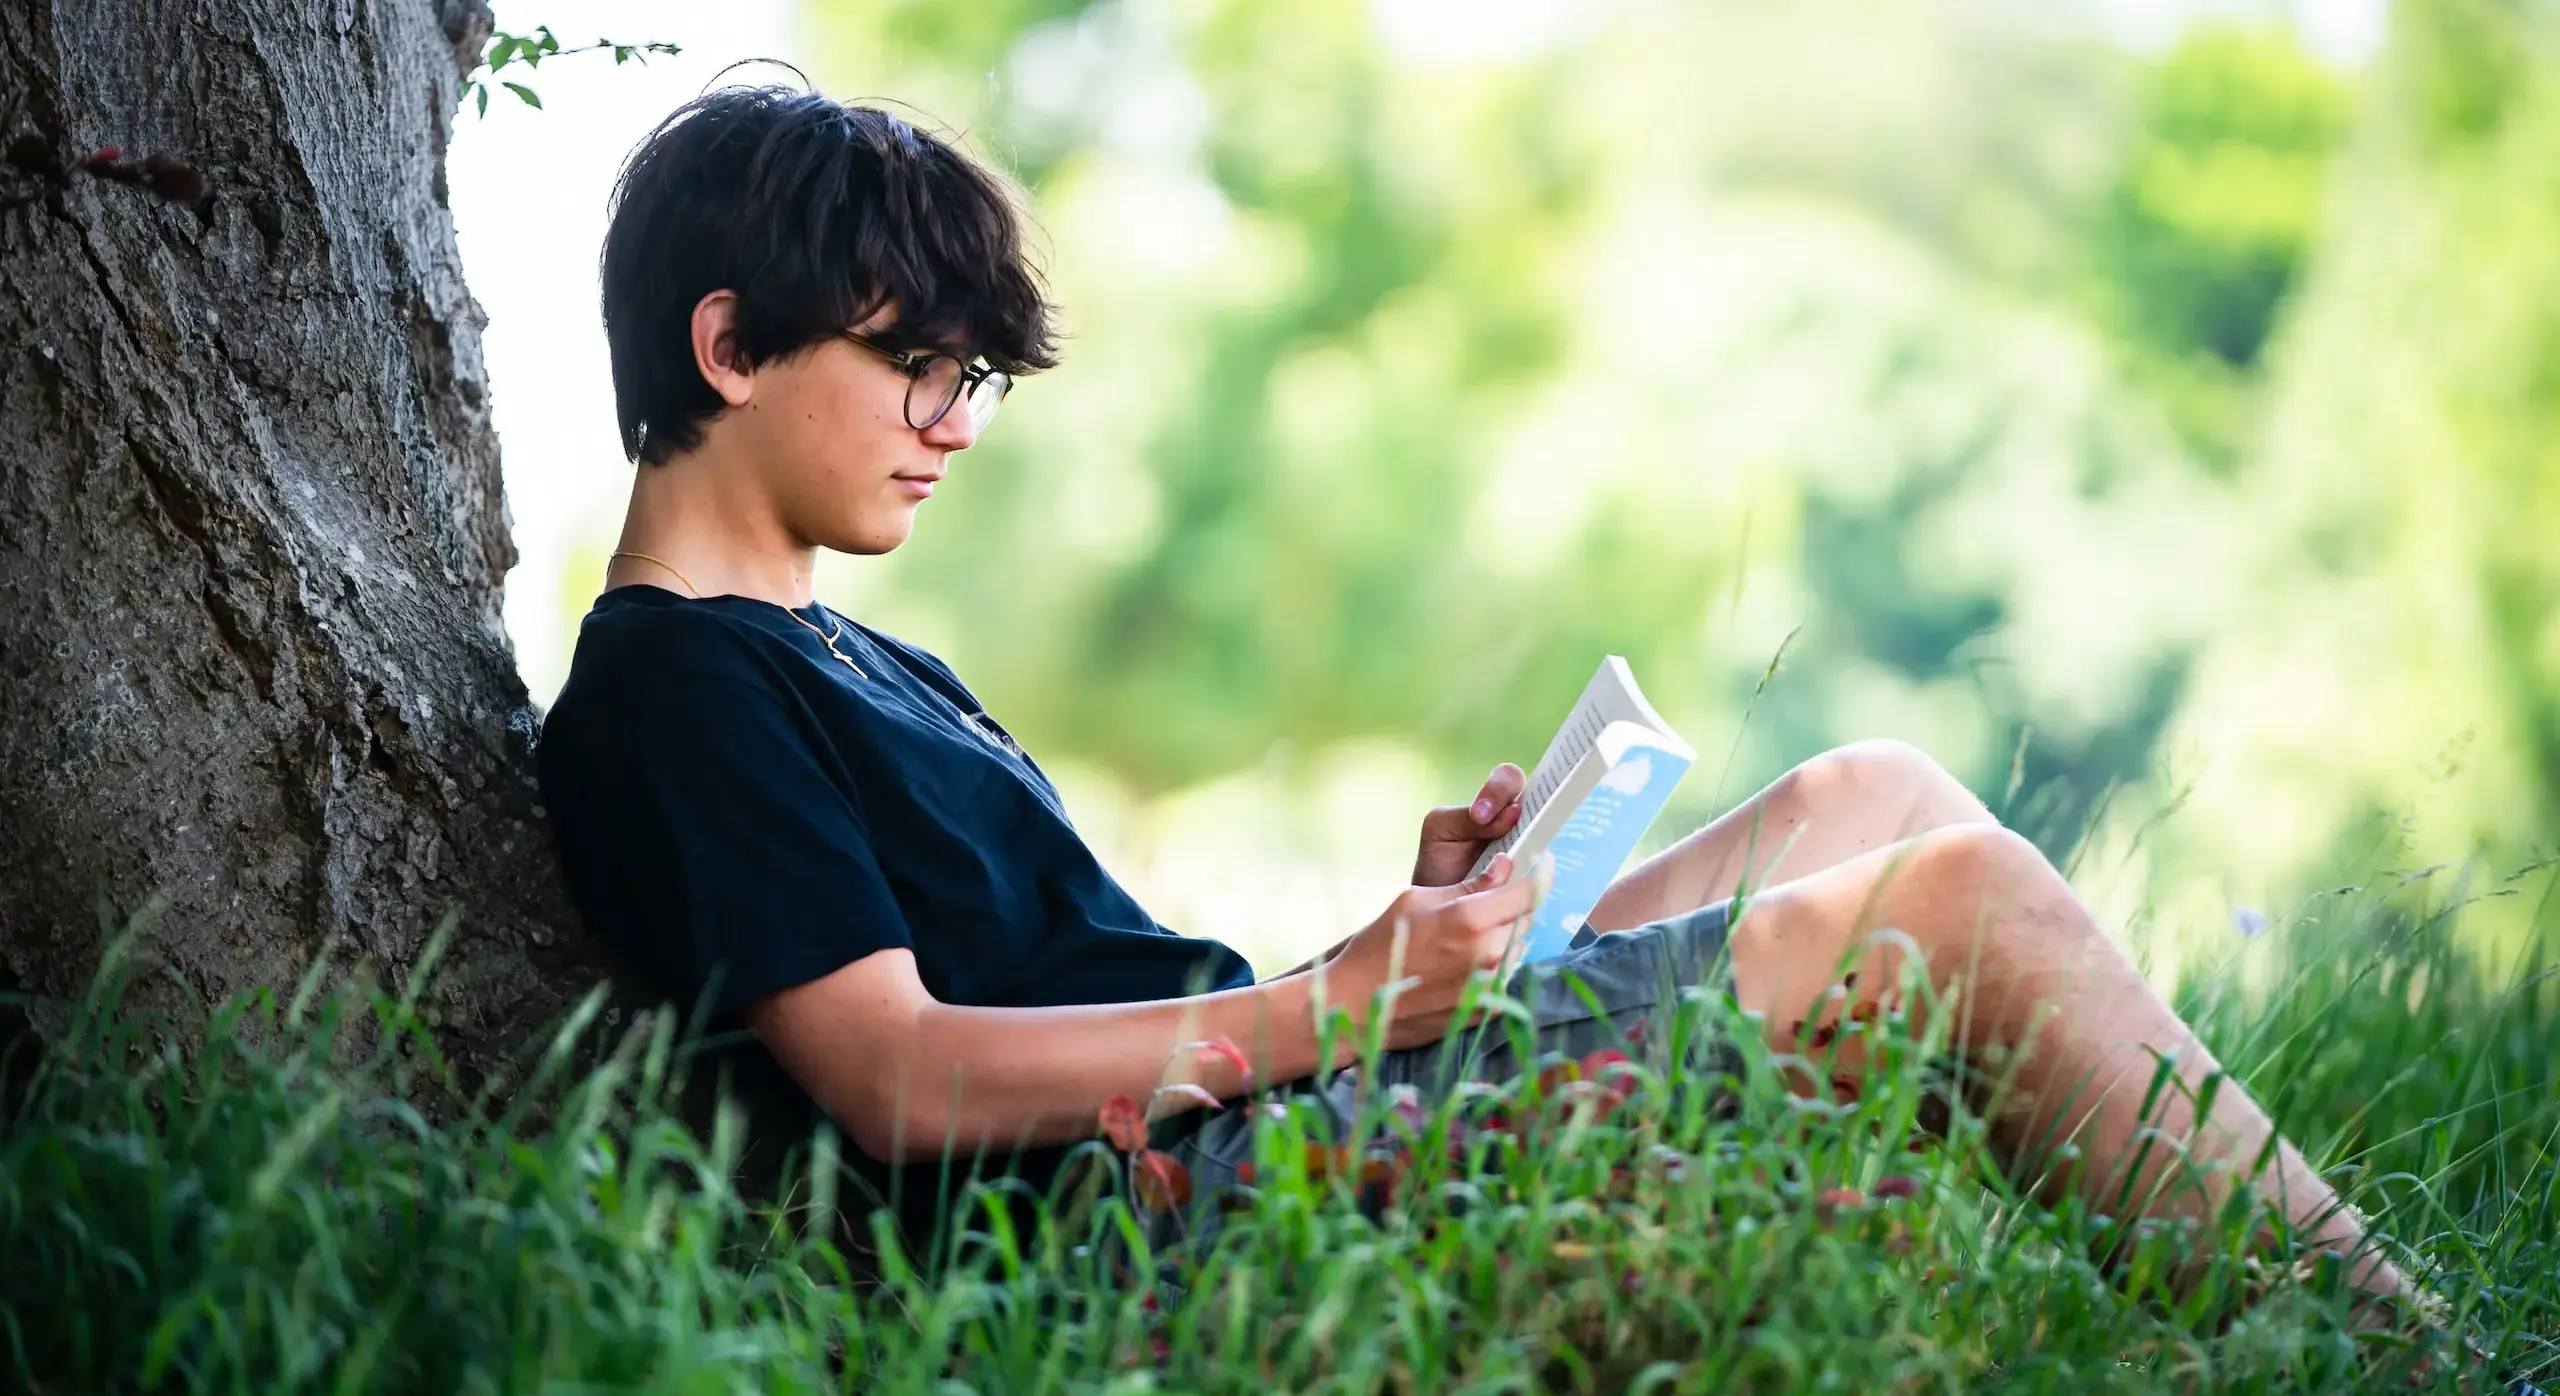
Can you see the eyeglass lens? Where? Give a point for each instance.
(932, 391)
(985, 399)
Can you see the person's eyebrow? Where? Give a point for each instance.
(955, 348)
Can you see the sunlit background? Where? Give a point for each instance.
(2148, 408)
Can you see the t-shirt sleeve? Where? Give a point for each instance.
(752, 868)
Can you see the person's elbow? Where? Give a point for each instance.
(887, 1132)
(893, 1127)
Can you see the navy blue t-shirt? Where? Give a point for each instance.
(739, 812)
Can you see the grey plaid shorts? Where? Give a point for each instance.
(1581, 1001)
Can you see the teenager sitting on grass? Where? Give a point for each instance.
(813, 829)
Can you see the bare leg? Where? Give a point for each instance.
(2042, 999)
(1847, 801)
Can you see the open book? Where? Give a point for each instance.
(1602, 781)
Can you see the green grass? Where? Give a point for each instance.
(254, 1203)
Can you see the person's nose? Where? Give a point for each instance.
(956, 431)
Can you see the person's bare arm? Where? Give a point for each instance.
(910, 1077)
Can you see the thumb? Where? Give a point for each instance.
(1494, 875)
(1501, 788)
(1523, 890)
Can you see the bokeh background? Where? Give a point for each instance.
(2148, 408)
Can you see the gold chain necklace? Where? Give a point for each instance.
(823, 637)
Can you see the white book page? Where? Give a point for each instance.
(1611, 696)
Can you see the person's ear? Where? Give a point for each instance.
(715, 348)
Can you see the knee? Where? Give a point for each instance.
(1989, 907)
(1886, 775)
(1984, 877)
(1985, 856)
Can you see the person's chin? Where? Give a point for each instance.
(876, 535)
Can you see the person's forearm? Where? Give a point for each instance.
(998, 1078)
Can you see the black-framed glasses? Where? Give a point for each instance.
(935, 381)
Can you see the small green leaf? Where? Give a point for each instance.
(526, 93)
(481, 90)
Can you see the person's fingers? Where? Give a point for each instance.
(1421, 902)
(1487, 904)
(1448, 926)
(1501, 943)
(1449, 824)
(1501, 791)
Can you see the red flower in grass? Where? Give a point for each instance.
(1594, 1064)
(1163, 1183)
(1833, 1201)
(1124, 1124)
(1596, 1068)
(1591, 1078)
(1223, 1047)
(1897, 1186)
(1188, 1093)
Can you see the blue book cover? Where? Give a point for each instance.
(1594, 841)
(1608, 772)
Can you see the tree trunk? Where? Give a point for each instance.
(251, 530)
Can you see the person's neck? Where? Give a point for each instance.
(706, 534)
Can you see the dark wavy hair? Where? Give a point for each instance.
(817, 213)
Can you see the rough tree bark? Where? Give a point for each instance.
(251, 530)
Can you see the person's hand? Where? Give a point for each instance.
(1454, 836)
(1431, 941)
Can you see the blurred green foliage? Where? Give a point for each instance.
(2218, 203)
(2126, 427)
